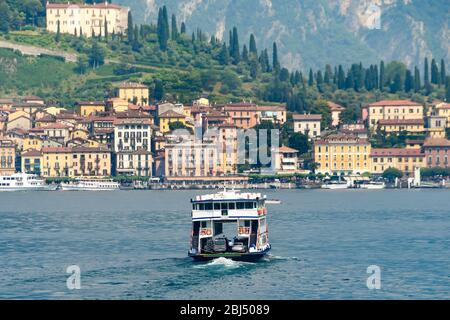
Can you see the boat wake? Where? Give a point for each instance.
(222, 262)
(271, 257)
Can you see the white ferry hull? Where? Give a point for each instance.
(16, 189)
(83, 188)
(373, 186)
(335, 186)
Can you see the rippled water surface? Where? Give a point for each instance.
(133, 245)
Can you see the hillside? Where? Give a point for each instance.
(313, 33)
(186, 65)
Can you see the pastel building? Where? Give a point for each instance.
(308, 124)
(437, 152)
(342, 154)
(393, 110)
(86, 19)
(132, 92)
(403, 159)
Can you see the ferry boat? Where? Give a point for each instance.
(243, 215)
(24, 182)
(373, 185)
(335, 185)
(91, 184)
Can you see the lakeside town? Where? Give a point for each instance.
(129, 140)
(144, 142)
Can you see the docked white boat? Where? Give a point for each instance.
(333, 185)
(87, 184)
(372, 185)
(24, 182)
(229, 224)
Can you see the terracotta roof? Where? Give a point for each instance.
(284, 149)
(342, 138)
(32, 153)
(401, 121)
(145, 121)
(307, 117)
(132, 85)
(56, 150)
(394, 103)
(102, 5)
(334, 106)
(444, 106)
(171, 114)
(396, 152)
(271, 108)
(436, 142)
(56, 126)
(88, 150)
(412, 141)
(90, 103)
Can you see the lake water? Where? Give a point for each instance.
(133, 245)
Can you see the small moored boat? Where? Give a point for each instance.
(91, 184)
(243, 215)
(24, 182)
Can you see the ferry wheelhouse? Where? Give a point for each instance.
(229, 224)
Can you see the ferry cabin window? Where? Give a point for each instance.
(231, 206)
(224, 206)
(208, 206)
(216, 206)
(204, 224)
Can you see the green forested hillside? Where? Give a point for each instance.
(183, 63)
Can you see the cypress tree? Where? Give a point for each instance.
(397, 84)
(434, 72)
(58, 31)
(183, 28)
(341, 78)
(447, 89)
(252, 46)
(224, 55)
(319, 78)
(106, 29)
(235, 53)
(443, 72)
(375, 77)
(162, 28)
(328, 74)
(245, 53)
(130, 28)
(311, 78)
(174, 28)
(417, 84)
(275, 62)
(409, 81)
(382, 76)
(426, 75)
(81, 32)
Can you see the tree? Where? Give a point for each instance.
(300, 142)
(235, 55)
(443, 72)
(106, 30)
(174, 28)
(158, 91)
(409, 81)
(245, 53)
(163, 28)
(224, 57)
(417, 84)
(426, 75)
(130, 28)
(382, 76)
(396, 85)
(447, 89)
(435, 75)
(252, 46)
(391, 173)
(311, 78)
(96, 55)
(275, 62)
(58, 31)
(183, 28)
(82, 65)
(5, 17)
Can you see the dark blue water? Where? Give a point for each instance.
(133, 245)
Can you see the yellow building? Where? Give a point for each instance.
(86, 19)
(87, 108)
(94, 162)
(76, 161)
(168, 117)
(442, 109)
(342, 154)
(7, 157)
(57, 162)
(32, 162)
(32, 142)
(403, 159)
(134, 93)
(399, 125)
(393, 110)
